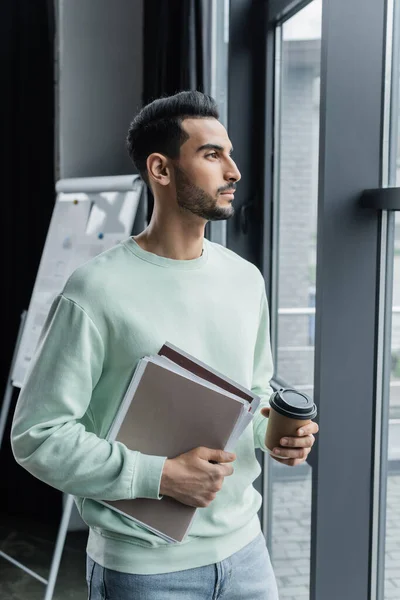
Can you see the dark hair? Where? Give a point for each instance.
(157, 127)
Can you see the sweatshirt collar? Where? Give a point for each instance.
(162, 261)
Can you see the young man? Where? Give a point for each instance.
(168, 283)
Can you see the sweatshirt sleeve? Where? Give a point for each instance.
(262, 373)
(47, 437)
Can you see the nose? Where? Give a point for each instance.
(233, 173)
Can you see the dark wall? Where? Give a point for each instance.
(26, 50)
(100, 83)
(246, 122)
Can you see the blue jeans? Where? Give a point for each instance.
(246, 575)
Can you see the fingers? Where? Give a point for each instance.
(306, 441)
(216, 456)
(308, 429)
(226, 469)
(300, 453)
(294, 450)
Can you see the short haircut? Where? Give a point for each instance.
(158, 126)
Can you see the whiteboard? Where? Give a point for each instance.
(90, 216)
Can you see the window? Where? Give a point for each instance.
(296, 194)
(390, 536)
(297, 84)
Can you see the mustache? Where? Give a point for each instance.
(227, 188)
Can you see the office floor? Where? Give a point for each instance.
(291, 531)
(32, 544)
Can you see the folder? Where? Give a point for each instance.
(175, 403)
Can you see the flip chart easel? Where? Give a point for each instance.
(90, 216)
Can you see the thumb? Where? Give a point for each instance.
(265, 411)
(219, 456)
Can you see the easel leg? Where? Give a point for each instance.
(62, 533)
(5, 409)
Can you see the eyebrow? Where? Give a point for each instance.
(212, 147)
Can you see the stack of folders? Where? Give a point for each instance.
(173, 404)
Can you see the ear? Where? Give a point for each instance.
(158, 169)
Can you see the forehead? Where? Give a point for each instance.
(205, 131)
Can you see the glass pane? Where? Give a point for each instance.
(392, 542)
(394, 447)
(298, 77)
(392, 534)
(298, 192)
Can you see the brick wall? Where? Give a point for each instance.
(297, 218)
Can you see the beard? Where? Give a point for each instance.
(194, 199)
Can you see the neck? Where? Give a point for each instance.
(173, 235)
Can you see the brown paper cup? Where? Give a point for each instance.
(280, 426)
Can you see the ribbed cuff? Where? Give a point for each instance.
(260, 425)
(147, 476)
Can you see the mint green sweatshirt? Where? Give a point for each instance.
(115, 309)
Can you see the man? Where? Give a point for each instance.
(167, 284)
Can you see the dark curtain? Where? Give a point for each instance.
(175, 47)
(27, 186)
(176, 53)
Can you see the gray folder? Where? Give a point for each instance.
(167, 413)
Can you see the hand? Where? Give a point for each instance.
(294, 450)
(192, 479)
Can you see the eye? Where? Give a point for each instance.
(212, 154)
